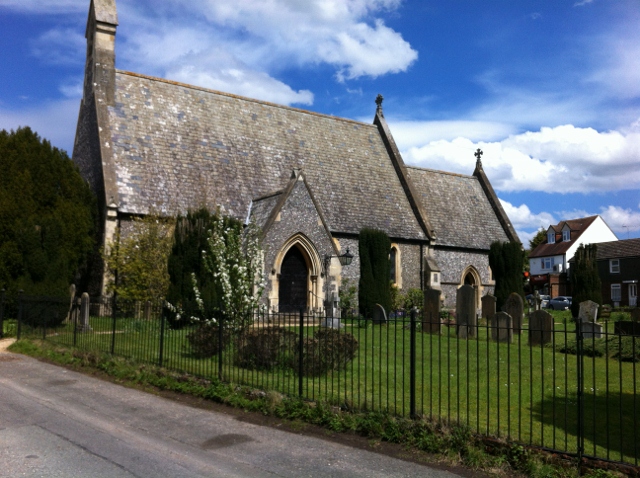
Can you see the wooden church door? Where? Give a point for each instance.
(293, 281)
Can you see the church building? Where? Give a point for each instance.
(311, 181)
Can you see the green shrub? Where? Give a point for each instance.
(205, 340)
(44, 312)
(329, 349)
(375, 271)
(265, 348)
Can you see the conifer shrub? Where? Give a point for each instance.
(506, 260)
(375, 271)
(585, 280)
(265, 348)
(328, 349)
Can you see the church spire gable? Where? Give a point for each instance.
(100, 72)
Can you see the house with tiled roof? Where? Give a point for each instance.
(311, 181)
(549, 262)
(619, 271)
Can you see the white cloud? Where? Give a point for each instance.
(60, 46)
(621, 220)
(240, 46)
(52, 120)
(564, 159)
(522, 218)
(582, 3)
(417, 133)
(45, 6)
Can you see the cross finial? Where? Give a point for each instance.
(478, 154)
(379, 100)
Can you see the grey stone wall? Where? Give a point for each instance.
(453, 263)
(410, 257)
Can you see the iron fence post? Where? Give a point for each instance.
(74, 314)
(580, 385)
(20, 313)
(220, 347)
(161, 346)
(300, 349)
(412, 365)
(2, 314)
(114, 314)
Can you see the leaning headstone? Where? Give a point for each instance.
(502, 327)
(488, 307)
(331, 323)
(466, 318)
(591, 330)
(431, 312)
(588, 311)
(635, 314)
(72, 294)
(514, 306)
(83, 324)
(379, 315)
(147, 310)
(540, 327)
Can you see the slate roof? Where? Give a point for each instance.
(577, 227)
(618, 249)
(458, 209)
(177, 146)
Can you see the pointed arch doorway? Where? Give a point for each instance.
(294, 280)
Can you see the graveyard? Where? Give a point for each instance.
(500, 377)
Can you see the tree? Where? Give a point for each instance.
(48, 216)
(234, 260)
(505, 260)
(539, 238)
(139, 260)
(584, 277)
(375, 270)
(185, 261)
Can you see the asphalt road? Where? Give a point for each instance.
(58, 423)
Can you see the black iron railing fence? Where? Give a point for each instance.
(576, 394)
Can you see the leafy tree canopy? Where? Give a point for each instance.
(539, 238)
(584, 277)
(47, 216)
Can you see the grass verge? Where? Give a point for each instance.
(439, 442)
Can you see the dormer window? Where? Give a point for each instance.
(566, 235)
(551, 237)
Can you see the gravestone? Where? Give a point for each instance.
(514, 306)
(83, 324)
(379, 315)
(635, 314)
(466, 318)
(147, 310)
(591, 330)
(488, 307)
(540, 327)
(72, 294)
(431, 311)
(331, 321)
(502, 327)
(588, 311)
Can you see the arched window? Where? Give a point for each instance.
(393, 256)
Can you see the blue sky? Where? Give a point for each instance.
(549, 90)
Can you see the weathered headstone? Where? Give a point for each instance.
(83, 324)
(502, 327)
(591, 330)
(72, 294)
(488, 307)
(379, 315)
(466, 318)
(431, 311)
(331, 321)
(635, 314)
(147, 310)
(588, 311)
(514, 306)
(540, 327)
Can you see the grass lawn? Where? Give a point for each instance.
(528, 394)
